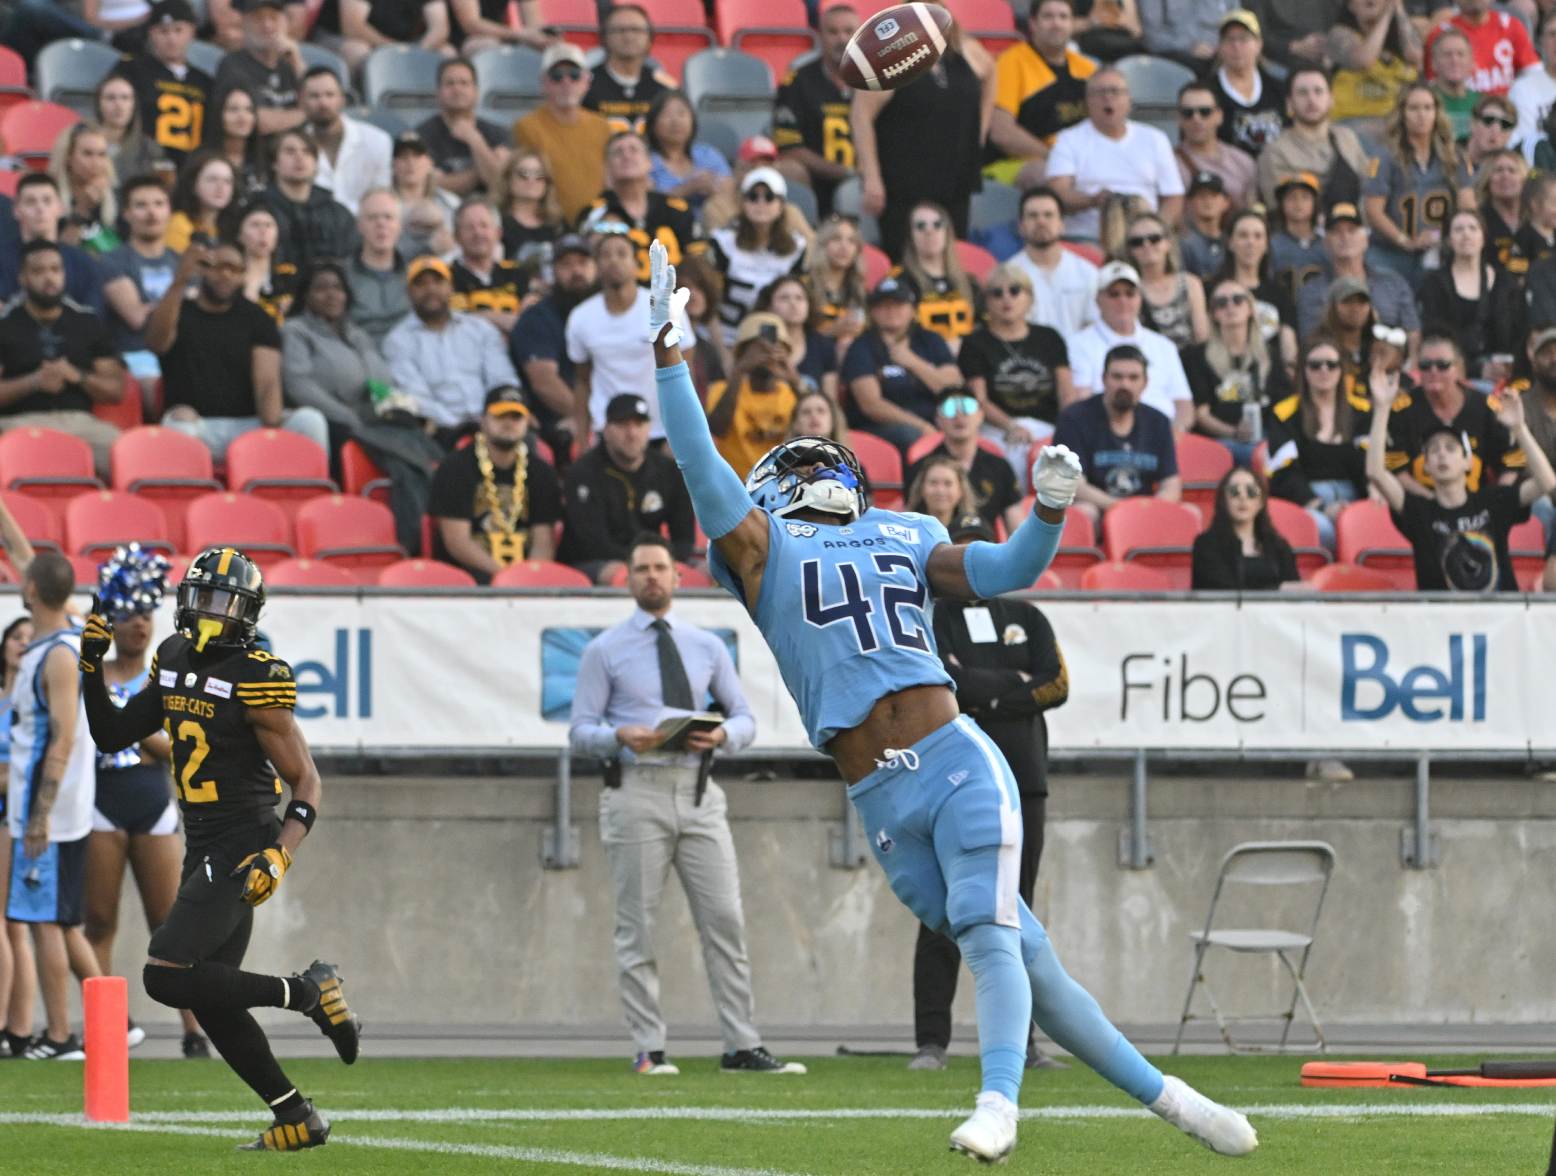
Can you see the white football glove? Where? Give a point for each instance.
(665, 302)
(1056, 475)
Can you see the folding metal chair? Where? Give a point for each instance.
(1281, 864)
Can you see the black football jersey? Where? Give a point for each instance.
(502, 293)
(220, 771)
(172, 109)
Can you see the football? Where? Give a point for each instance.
(895, 46)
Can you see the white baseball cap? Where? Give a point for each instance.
(1117, 271)
(765, 175)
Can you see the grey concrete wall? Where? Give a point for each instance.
(431, 895)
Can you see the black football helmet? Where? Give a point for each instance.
(220, 598)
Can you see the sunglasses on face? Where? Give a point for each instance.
(1222, 301)
(1323, 365)
(526, 173)
(1121, 292)
(1146, 239)
(1491, 120)
(1006, 291)
(1436, 365)
(924, 226)
(1243, 490)
(760, 196)
(1196, 111)
(954, 406)
(564, 73)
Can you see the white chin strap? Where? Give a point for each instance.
(826, 495)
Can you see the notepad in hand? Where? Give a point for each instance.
(674, 730)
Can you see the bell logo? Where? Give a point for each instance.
(1457, 691)
(333, 682)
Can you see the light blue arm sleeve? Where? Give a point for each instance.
(1012, 566)
(718, 495)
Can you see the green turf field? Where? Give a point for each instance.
(849, 1115)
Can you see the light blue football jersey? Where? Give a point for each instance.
(845, 611)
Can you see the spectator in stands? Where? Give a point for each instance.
(1349, 319)
(1201, 151)
(1499, 189)
(629, 197)
(205, 189)
(1185, 31)
(531, 213)
(443, 359)
(426, 210)
(1535, 239)
(1039, 91)
(1377, 53)
(757, 249)
(86, 179)
(896, 369)
(131, 150)
(353, 155)
(939, 488)
(1296, 247)
(493, 501)
(995, 491)
(571, 139)
(705, 287)
(268, 66)
(835, 274)
(624, 87)
(1298, 34)
(1064, 284)
(749, 413)
(1418, 182)
(1533, 92)
(1203, 243)
(1333, 155)
(232, 132)
(56, 359)
(1126, 447)
(1500, 43)
(485, 283)
(1019, 371)
(891, 127)
(812, 356)
(538, 344)
(1172, 301)
(682, 166)
(1539, 395)
(38, 211)
(32, 24)
(1110, 155)
(1317, 436)
(1490, 129)
(221, 356)
(1249, 264)
(1241, 551)
(468, 152)
(267, 282)
(605, 335)
(138, 273)
(376, 271)
(1252, 99)
(947, 298)
(1345, 245)
(1453, 66)
(1468, 297)
(366, 25)
(1164, 386)
(811, 110)
(618, 490)
(1443, 401)
(817, 415)
(1109, 29)
(1459, 533)
(172, 94)
(720, 209)
(313, 225)
(1232, 373)
(483, 24)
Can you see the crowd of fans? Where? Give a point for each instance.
(1354, 206)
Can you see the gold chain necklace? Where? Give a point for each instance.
(503, 537)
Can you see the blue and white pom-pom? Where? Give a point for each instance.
(132, 583)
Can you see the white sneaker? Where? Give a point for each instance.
(135, 1035)
(1219, 1128)
(990, 1134)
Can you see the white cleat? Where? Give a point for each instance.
(1219, 1128)
(990, 1134)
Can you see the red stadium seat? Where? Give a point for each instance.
(51, 466)
(10, 181)
(100, 520)
(577, 20)
(13, 70)
(1526, 546)
(308, 573)
(540, 573)
(776, 31)
(690, 577)
(86, 569)
(37, 521)
(1049, 581)
(876, 264)
(1154, 532)
(424, 573)
(255, 527)
(1202, 463)
(362, 475)
(1078, 548)
(976, 260)
(882, 465)
(127, 412)
(166, 467)
(1344, 577)
(355, 533)
(1297, 527)
(29, 129)
(1534, 583)
(1367, 536)
(1084, 251)
(926, 444)
(286, 468)
(177, 565)
(1124, 577)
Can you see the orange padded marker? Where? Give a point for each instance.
(107, 1003)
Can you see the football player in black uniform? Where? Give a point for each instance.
(227, 707)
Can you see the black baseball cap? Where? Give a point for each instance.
(570, 243)
(626, 406)
(170, 12)
(1458, 435)
(506, 400)
(892, 288)
(970, 526)
(256, 5)
(1206, 181)
(410, 141)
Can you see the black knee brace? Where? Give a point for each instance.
(173, 987)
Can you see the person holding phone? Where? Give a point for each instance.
(749, 412)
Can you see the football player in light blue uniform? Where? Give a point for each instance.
(840, 592)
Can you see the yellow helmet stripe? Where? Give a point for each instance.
(226, 561)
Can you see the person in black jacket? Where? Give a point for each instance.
(1241, 551)
(1008, 670)
(1470, 299)
(313, 225)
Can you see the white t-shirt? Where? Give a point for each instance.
(1065, 297)
(1165, 382)
(71, 817)
(1531, 95)
(1139, 164)
(619, 358)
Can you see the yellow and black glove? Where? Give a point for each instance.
(96, 638)
(262, 873)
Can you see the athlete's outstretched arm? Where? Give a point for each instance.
(980, 571)
(113, 728)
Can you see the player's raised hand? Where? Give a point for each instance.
(665, 302)
(262, 873)
(96, 637)
(1056, 475)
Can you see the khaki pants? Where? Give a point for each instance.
(95, 431)
(647, 825)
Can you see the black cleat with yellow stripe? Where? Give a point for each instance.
(313, 1130)
(332, 1015)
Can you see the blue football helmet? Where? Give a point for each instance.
(836, 485)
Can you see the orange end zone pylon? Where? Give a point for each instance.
(1359, 1074)
(107, 1082)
